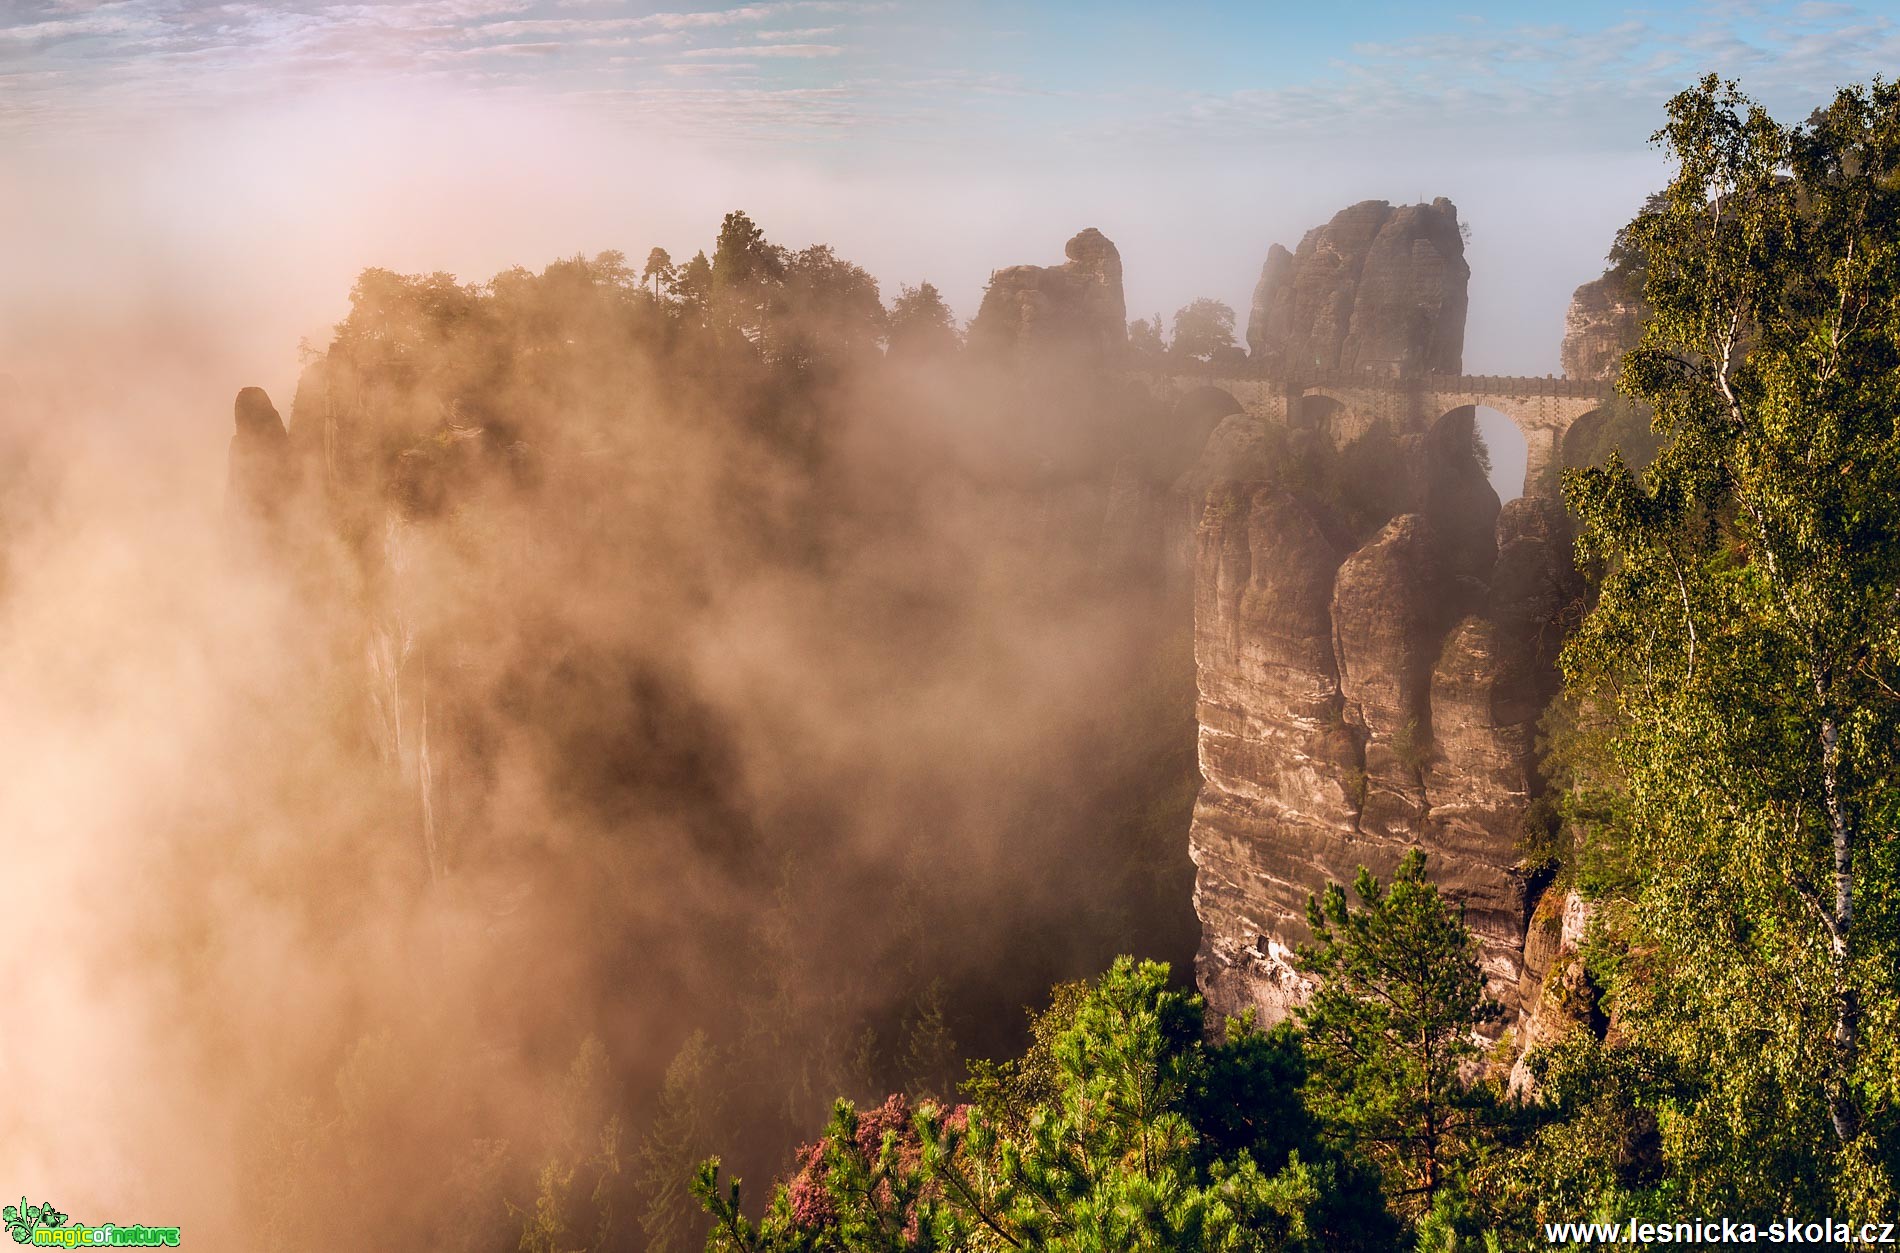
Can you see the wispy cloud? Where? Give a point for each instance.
(1564, 80)
(749, 14)
(706, 69)
(1549, 81)
(800, 51)
(796, 36)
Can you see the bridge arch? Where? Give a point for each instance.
(1316, 410)
(1507, 451)
(1511, 441)
(1191, 423)
(1579, 445)
(1344, 414)
(1333, 394)
(1461, 492)
(1207, 401)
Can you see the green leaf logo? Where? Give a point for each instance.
(23, 1220)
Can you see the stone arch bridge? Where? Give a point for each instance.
(1543, 409)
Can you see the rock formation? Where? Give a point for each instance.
(1364, 687)
(1079, 301)
(1377, 288)
(1553, 959)
(261, 473)
(1604, 321)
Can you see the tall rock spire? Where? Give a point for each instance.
(1377, 288)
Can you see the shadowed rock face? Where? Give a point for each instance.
(1377, 288)
(1360, 696)
(1079, 301)
(1604, 321)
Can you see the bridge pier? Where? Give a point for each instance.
(1543, 460)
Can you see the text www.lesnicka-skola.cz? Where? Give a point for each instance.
(1824, 1233)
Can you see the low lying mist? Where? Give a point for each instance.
(613, 715)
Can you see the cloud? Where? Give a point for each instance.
(706, 68)
(732, 106)
(1540, 83)
(520, 49)
(748, 14)
(91, 25)
(795, 36)
(797, 51)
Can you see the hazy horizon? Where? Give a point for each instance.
(214, 175)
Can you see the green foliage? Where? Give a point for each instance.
(1543, 838)
(660, 271)
(1145, 337)
(1122, 1129)
(1595, 1152)
(1009, 1091)
(1389, 1028)
(921, 324)
(745, 270)
(694, 284)
(405, 315)
(929, 1052)
(681, 1134)
(828, 310)
(1622, 427)
(1202, 328)
(864, 1186)
(585, 1151)
(1412, 745)
(1741, 658)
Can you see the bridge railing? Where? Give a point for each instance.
(1475, 384)
(1509, 385)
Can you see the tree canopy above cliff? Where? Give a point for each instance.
(1744, 647)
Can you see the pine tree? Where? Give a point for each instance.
(1109, 1158)
(1390, 1028)
(681, 1134)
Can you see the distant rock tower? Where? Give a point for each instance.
(1078, 302)
(1376, 288)
(262, 474)
(1604, 321)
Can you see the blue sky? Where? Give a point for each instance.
(278, 147)
(809, 68)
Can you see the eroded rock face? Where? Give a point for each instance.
(1604, 321)
(1277, 757)
(1361, 696)
(1566, 998)
(1079, 301)
(1377, 288)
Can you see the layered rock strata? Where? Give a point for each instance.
(1377, 288)
(1604, 321)
(1364, 688)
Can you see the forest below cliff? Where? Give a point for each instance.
(708, 757)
